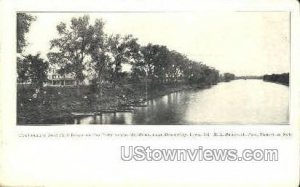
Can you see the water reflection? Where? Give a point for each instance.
(240, 101)
(168, 109)
(106, 118)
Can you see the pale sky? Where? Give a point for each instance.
(243, 43)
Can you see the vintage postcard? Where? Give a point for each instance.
(149, 93)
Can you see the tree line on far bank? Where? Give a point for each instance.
(84, 51)
(277, 78)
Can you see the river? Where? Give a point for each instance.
(235, 102)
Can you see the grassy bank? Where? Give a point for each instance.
(34, 106)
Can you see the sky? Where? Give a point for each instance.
(243, 43)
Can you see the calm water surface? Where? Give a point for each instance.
(238, 102)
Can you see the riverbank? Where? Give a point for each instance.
(278, 82)
(36, 106)
(278, 78)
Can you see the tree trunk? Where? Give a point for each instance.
(78, 91)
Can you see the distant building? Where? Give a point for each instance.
(55, 79)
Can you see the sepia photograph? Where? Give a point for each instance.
(153, 68)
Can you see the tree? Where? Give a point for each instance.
(34, 69)
(73, 48)
(123, 50)
(278, 78)
(22, 69)
(161, 64)
(155, 62)
(228, 77)
(23, 23)
(175, 66)
(148, 63)
(99, 57)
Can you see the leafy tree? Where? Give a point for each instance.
(148, 63)
(175, 68)
(155, 62)
(34, 69)
(99, 56)
(161, 64)
(123, 50)
(73, 48)
(23, 23)
(22, 69)
(228, 77)
(138, 73)
(99, 66)
(278, 78)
